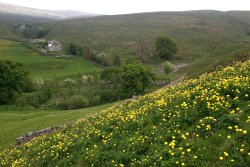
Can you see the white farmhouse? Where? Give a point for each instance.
(53, 46)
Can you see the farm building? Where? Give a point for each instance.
(53, 46)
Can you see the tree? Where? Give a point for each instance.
(88, 52)
(129, 79)
(13, 79)
(116, 59)
(73, 49)
(136, 78)
(141, 49)
(112, 75)
(165, 47)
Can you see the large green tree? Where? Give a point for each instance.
(13, 79)
(136, 78)
(165, 47)
(131, 79)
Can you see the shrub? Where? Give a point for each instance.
(168, 67)
(95, 100)
(107, 59)
(78, 101)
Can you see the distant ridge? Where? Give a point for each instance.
(53, 14)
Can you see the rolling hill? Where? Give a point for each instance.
(204, 38)
(12, 16)
(31, 12)
(201, 122)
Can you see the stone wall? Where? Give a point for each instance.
(27, 137)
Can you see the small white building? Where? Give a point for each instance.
(53, 46)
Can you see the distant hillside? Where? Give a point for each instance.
(31, 12)
(12, 16)
(204, 38)
(19, 10)
(203, 122)
(241, 15)
(73, 13)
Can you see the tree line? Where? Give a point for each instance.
(165, 48)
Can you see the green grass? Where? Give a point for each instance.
(17, 122)
(46, 67)
(201, 122)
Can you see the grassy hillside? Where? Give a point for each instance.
(9, 21)
(17, 122)
(204, 38)
(44, 66)
(202, 122)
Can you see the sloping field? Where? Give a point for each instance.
(203, 122)
(46, 67)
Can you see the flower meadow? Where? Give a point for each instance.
(200, 122)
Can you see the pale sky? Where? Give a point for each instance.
(133, 6)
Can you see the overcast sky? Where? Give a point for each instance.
(133, 6)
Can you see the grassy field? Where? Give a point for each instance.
(16, 122)
(47, 67)
(200, 122)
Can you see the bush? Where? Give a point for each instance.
(21, 101)
(168, 67)
(78, 101)
(107, 59)
(61, 104)
(95, 100)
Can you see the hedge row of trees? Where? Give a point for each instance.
(106, 59)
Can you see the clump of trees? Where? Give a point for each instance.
(14, 80)
(111, 58)
(165, 47)
(73, 49)
(129, 79)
